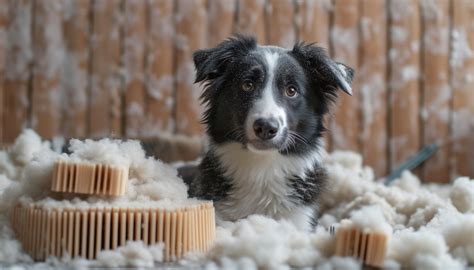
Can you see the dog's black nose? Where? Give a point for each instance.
(266, 129)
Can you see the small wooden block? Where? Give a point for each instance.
(368, 247)
(89, 178)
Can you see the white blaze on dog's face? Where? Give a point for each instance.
(266, 111)
(268, 98)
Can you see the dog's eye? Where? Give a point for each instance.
(291, 92)
(247, 86)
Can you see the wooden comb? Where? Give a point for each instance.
(89, 178)
(83, 232)
(370, 247)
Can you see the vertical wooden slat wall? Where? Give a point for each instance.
(3, 47)
(462, 69)
(280, 24)
(105, 97)
(159, 68)
(373, 88)
(251, 19)
(345, 125)
(403, 80)
(47, 49)
(191, 34)
(133, 53)
(94, 68)
(19, 56)
(313, 21)
(221, 20)
(436, 93)
(75, 69)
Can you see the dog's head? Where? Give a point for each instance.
(266, 97)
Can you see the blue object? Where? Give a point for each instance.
(412, 163)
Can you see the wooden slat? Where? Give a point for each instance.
(281, 30)
(251, 19)
(191, 33)
(404, 68)
(48, 59)
(3, 47)
(462, 83)
(159, 68)
(373, 88)
(436, 93)
(221, 15)
(345, 127)
(134, 31)
(75, 77)
(19, 56)
(105, 96)
(313, 22)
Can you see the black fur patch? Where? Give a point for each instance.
(307, 190)
(210, 183)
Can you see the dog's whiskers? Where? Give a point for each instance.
(236, 134)
(299, 137)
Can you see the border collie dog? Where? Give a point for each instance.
(264, 118)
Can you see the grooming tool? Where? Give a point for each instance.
(370, 247)
(89, 178)
(78, 231)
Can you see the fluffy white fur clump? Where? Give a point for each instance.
(133, 254)
(421, 250)
(430, 225)
(270, 244)
(462, 195)
(26, 146)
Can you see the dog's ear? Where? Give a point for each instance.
(317, 63)
(212, 63)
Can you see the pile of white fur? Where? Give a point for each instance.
(430, 226)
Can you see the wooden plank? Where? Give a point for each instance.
(134, 31)
(404, 68)
(373, 88)
(105, 100)
(159, 68)
(48, 58)
(251, 19)
(313, 23)
(191, 32)
(280, 25)
(436, 93)
(221, 16)
(75, 76)
(345, 127)
(19, 55)
(3, 48)
(462, 83)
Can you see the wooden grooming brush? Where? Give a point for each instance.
(84, 232)
(89, 178)
(368, 246)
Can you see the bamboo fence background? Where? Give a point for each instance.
(123, 68)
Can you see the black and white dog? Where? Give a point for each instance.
(264, 117)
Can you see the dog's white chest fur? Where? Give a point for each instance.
(260, 184)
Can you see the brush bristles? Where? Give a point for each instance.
(89, 178)
(85, 232)
(369, 247)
